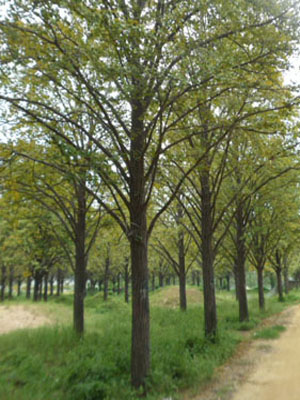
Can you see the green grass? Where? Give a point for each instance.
(52, 363)
(272, 332)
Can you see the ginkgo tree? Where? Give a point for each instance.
(122, 67)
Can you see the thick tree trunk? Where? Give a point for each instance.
(240, 266)
(80, 261)
(28, 287)
(140, 346)
(260, 283)
(210, 308)
(140, 343)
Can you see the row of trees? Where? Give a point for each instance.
(147, 111)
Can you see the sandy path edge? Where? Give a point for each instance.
(15, 317)
(257, 368)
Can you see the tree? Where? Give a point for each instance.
(123, 63)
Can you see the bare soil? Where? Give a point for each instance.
(261, 369)
(19, 317)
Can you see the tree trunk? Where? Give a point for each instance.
(198, 278)
(126, 280)
(40, 289)
(140, 345)
(260, 282)
(106, 276)
(36, 287)
(11, 284)
(240, 265)
(181, 258)
(279, 283)
(228, 282)
(140, 342)
(51, 282)
(193, 278)
(161, 279)
(153, 282)
(19, 285)
(210, 308)
(45, 296)
(58, 278)
(80, 261)
(286, 275)
(181, 267)
(3, 282)
(62, 282)
(28, 287)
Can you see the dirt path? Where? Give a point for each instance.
(18, 317)
(262, 369)
(277, 375)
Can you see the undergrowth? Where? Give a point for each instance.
(52, 363)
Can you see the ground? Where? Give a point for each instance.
(262, 369)
(18, 317)
(259, 370)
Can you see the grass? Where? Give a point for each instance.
(272, 332)
(51, 363)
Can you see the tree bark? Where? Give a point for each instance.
(28, 287)
(19, 286)
(11, 284)
(62, 282)
(140, 345)
(51, 282)
(153, 282)
(240, 265)
(260, 282)
(106, 276)
(126, 280)
(45, 295)
(279, 283)
(286, 275)
(140, 342)
(80, 261)
(3, 282)
(36, 287)
(58, 277)
(210, 308)
(181, 258)
(161, 279)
